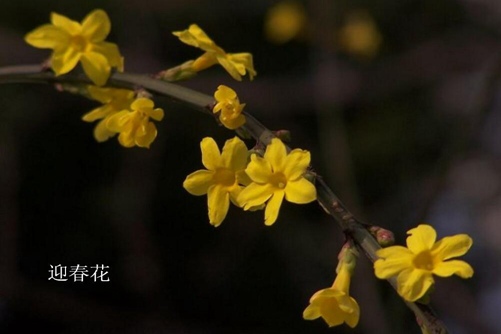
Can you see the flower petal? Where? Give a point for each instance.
(275, 154)
(61, 21)
(229, 67)
(296, 163)
(63, 62)
(273, 207)
(384, 269)
(453, 267)
(351, 318)
(421, 238)
(48, 37)
(300, 192)
(331, 312)
(198, 183)
(234, 155)
(148, 136)
(218, 201)
(413, 284)
(117, 121)
(452, 246)
(254, 195)
(196, 37)
(157, 114)
(111, 52)
(142, 103)
(311, 312)
(96, 25)
(211, 158)
(244, 60)
(258, 169)
(101, 132)
(96, 67)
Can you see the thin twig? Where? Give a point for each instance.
(202, 102)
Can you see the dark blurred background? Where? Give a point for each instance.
(398, 101)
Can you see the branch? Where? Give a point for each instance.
(350, 225)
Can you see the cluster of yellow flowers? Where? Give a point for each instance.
(262, 182)
(251, 181)
(123, 111)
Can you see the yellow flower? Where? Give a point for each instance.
(114, 100)
(75, 42)
(230, 107)
(220, 181)
(237, 64)
(134, 125)
(275, 176)
(334, 304)
(423, 257)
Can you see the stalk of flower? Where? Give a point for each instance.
(134, 125)
(236, 64)
(223, 179)
(334, 304)
(114, 100)
(229, 107)
(275, 176)
(74, 42)
(415, 265)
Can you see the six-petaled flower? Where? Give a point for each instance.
(74, 42)
(229, 107)
(415, 265)
(237, 64)
(275, 176)
(114, 100)
(134, 125)
(222, 179)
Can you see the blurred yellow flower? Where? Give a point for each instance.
(113, 100)
(284, 21)
(236, 64)
(229, 107)
(134, 125)
(415, 265)
(275, 176)
(334, 304)
(360, 36)
(74, 42)
(222, 178)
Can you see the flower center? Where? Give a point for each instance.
(225, 177)
(278, 180)
(424, 261)
(79, 43)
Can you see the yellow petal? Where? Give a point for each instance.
(311, 312)
(296, 163)
(229, 67)
(148, 136)
(275, 154)
(218, 201)
(352, 318)
(101, 132)
(234, 154)
(211, 157)
(331, 312)
(453, 267)
(273, 207)
(413, 284)
(112, 54)
(224, 93)
(48, 37)
(421, 238)
(70, 26)
(198, 183)
(96, 67)
(258, 169)
(97, 113)
(452, 246)
(157, 114)
(126, 139)
(204, 61)
(63, 62)
(117, 121)
(142, 103)
(243, 62)
(394, 252)
(196, 37)
(96, 25)
(384, 269)
(300, 192)
(254, 195)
